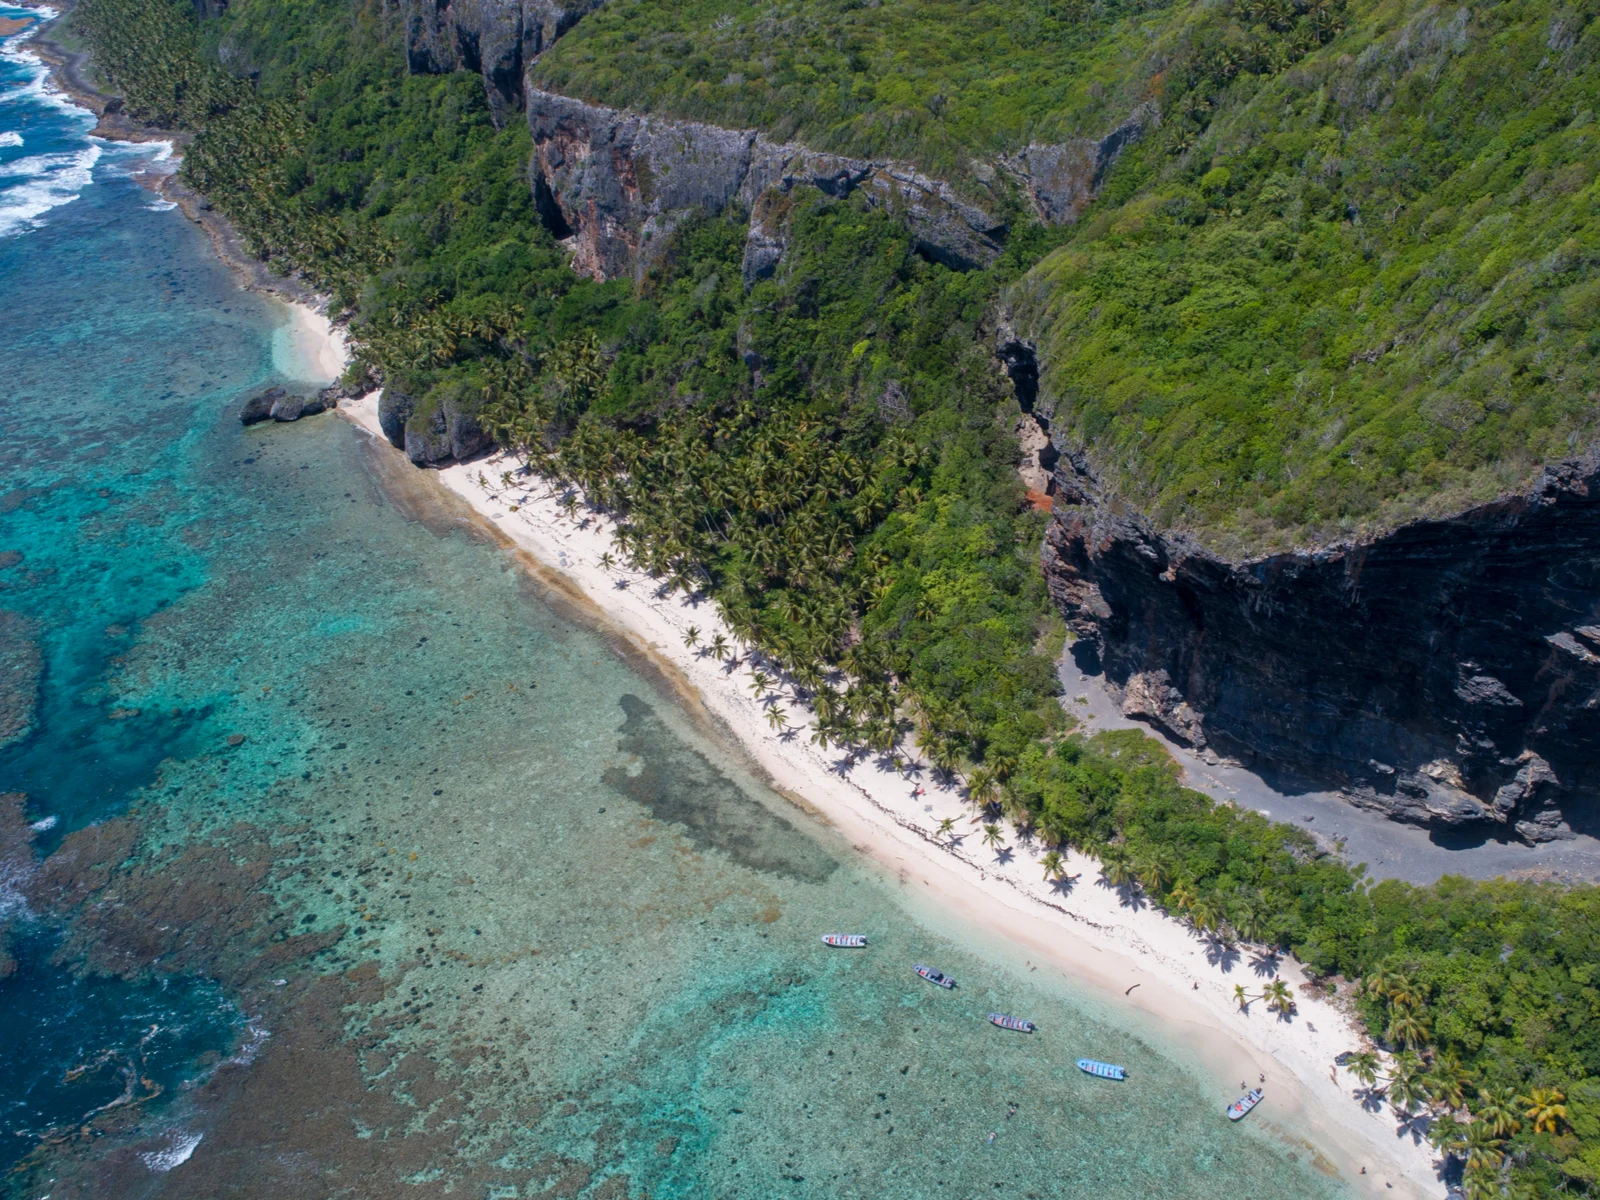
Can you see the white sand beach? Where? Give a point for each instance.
(308, 347)
(1088, 931)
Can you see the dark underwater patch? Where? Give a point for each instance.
(678, 784)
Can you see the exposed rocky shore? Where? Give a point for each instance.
(1447, 673)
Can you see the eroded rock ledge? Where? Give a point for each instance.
(614, 184)
(1446, 674)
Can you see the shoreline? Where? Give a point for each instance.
(1086, 930)
(65, 75)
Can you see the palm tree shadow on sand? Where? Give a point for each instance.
(1128, 894)
(1222, 954)
(1265, 964)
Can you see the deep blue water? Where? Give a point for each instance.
(597, 925)
(98, 408)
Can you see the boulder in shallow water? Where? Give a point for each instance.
(259, 408)
(276, 404)
(292, 408)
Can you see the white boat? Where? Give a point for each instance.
(1014, 1023)
(1245, 1103)
(845, 941)
(933, 976)
(1101, 1070)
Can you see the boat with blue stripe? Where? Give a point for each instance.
(1014, 1023)
(1100, 1070)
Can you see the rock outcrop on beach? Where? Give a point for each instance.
(431, 434)
(1447, 673)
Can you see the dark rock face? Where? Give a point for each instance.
(1447, 674)
(438, 436)
(259, 408)
(617, 183)
(275, 404)
(1063, 178)
(499, 39)
(427, 440)
(394, 410)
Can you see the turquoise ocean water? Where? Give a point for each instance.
(516, 925)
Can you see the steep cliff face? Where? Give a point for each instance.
(497, 38)
(616, 182)
(1062, 178)
(1447, 673)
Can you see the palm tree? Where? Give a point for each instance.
(1484, 1155)
(1546, 1108)
(1405, 993)
(993, 837)
(1153, 872)
(1114, 867)
(1377, 984)
(1499, 1111)
(1278, 996)
(1051, 862)
(719, 647)
(1241, 997)
(947, 826)
(691, 637)
(981, 787)
(1405, 1083)
(1407, 1029)
(1364, 1066)
(1447, 1081)
(1183, 895)
(607, 561)
(776, 719)
(1203, 914)
(760, 683)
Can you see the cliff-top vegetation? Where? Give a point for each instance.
(1349, 280)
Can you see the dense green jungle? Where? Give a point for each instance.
(1413, 186)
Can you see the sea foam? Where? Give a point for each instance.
(176, 1154)
(46, 181)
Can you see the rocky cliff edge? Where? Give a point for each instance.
(1447, 674)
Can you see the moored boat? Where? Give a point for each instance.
(1100, 1070)
(846, 941)
(1016, 1023)
(932, 976)
(1245, 1103)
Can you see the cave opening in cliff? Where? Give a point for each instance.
(544, 200)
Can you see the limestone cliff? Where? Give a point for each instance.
(1447, 673)
(499, 39)
(614, 183)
